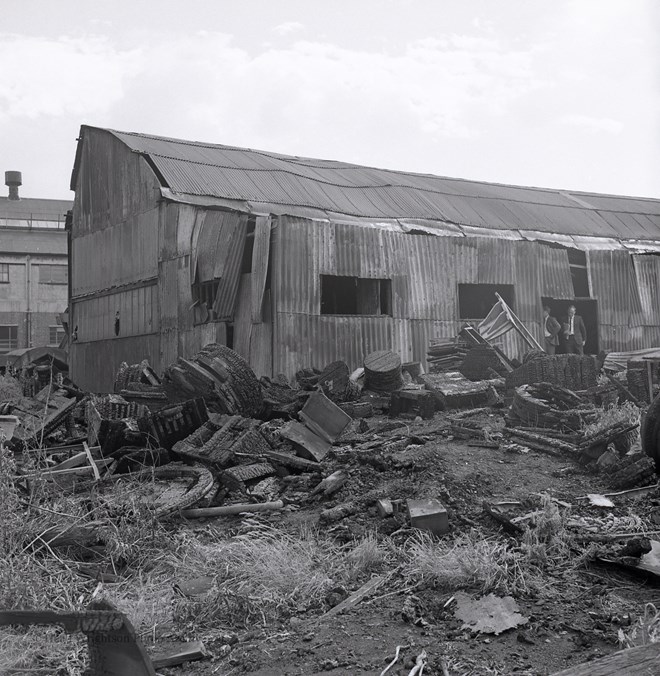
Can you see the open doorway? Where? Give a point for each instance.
(587, 308)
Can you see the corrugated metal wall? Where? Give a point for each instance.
(138, 314)
(425, 273)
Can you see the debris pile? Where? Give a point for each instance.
(571, 371)
(219, 375)
(453, 390)
(382, 371)
(483, 362)
(446, 354)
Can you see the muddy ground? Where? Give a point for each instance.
(574, 616)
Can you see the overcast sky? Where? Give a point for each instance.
(553, 93)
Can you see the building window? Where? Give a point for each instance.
(55, 335)
(8, 338)
(53, 274)
(248, 249)
(204, 294)
(578, 263)
(355, 296)
(475, 301)
(4, 273)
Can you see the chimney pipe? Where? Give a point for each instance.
(13, 179)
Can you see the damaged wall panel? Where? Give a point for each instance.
(260, 260)
(229, 269)
(647, 272)
(555, 272)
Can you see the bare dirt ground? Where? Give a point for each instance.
(575, 609)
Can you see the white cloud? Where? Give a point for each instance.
(61, 77)
(288, 27)
(593, 124)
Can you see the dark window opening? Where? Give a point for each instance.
(246, 265)
(579, 275)
(4, 273)
(475, 301)
(355, 296)
(8, 338)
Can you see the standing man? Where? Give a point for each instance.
(551, 328)
(574, 332)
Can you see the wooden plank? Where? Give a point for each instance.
(356, 596)
(632, 662)
(92, 464)
(260, 256)
(187, 653)
(229, 510)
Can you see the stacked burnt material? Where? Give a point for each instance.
(572, 371)
(637, 379)
(139, 383)
(382, 370)
(336, 383)
(112, 423)
(446, 354)
(453, 390)
(280, 399)
(357, 409)
(219, 375)
(165, 427)
(308, 378)
(483, 362)
(412, 403)
(223, 441)
(545, 405)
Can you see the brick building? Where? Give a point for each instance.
(33, 269)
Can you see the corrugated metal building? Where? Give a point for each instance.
(33, 269)
(295, 262)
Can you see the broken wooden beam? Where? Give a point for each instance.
(228, 510)
(194, 650)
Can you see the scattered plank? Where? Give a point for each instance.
(192, 651)
(356, 596)
(228, 510)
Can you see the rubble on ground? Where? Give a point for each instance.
(209, 440)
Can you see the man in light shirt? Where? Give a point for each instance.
(575, 332)
(551, 328)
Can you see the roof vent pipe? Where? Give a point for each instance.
(12, 180)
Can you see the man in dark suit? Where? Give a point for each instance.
(575, 332)
(551, 329)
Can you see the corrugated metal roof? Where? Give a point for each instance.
(295, 183)
(33, 209)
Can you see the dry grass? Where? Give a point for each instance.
(626, 413)
(468, 562)
(645, 630)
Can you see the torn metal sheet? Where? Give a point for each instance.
(489, 614)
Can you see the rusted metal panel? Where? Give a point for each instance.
(495, 261)
(168, 294)
(261, 343)
(225, 300)
(93, 366)
(243, 316)
(123, 254)
(555, 272)
(614, 284)
(526, 289)
(647, 271)
(260, 259)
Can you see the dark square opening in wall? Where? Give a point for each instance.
(355, 296)
(475, 301)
